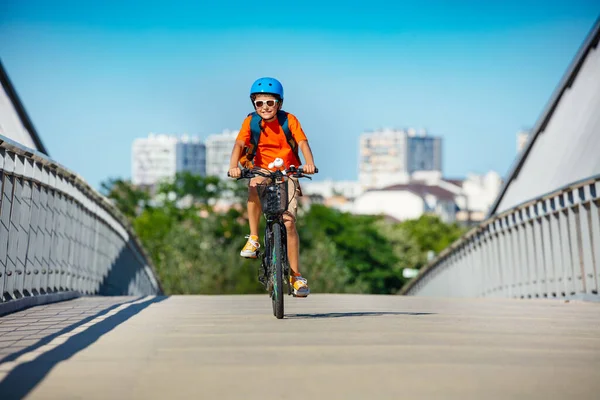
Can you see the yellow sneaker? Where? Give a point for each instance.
(300, 286)
(250, 250)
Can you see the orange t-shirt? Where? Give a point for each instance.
(272, 142)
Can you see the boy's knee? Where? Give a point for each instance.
(289, 222)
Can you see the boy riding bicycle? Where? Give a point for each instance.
(273, 140)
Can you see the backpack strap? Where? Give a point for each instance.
(255, 130)
(282, 117)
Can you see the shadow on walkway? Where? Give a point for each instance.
(67, 326)
(21, 380)
(352, 314)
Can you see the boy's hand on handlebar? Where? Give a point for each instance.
(308, 169)
(234, 172)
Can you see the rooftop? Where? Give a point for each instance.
(420, 189)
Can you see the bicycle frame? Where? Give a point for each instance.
(265, 270)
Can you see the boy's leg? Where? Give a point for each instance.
(293, 245)
(299, 283)
(254, 211)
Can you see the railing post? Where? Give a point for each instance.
(10, 210)
(5, 203)
(585, 239)
(595, 233)
(28, 228)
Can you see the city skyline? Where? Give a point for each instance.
(403, 150)
(158, 157)
(474, 75)
(391, 156)
(387, 177)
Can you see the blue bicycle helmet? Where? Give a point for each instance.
(267, 85)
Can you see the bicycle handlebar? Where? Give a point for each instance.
(291, 171)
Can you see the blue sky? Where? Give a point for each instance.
(93, 77)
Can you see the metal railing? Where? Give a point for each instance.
(58, 234)
(547, 247)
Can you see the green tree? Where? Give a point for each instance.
(202, 191)
(196, 249)
(405, 247)
(126, 197)
(322, 263)
(431, 234)
(194, 256)
(367, 255)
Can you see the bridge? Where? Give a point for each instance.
(510, 310)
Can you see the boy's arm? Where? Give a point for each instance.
(238, 148)
(309, 167)
(300, 138)
(236, 152)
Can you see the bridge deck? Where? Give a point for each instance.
(329, 346)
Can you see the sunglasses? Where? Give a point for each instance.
(260, 103)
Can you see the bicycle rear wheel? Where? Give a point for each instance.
(277, 271)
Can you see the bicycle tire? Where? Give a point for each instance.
(277, 270)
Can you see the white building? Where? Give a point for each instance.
(329, 188)
(159, 157)
(479, 193)
(390, 156)
(339, 195)
(407, 201)
(462, 200)
(218, 153)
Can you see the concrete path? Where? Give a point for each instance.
(328, 347)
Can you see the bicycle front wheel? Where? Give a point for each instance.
(277, 271)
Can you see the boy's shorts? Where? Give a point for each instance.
(294, 192)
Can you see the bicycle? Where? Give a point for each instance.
(273, 195)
